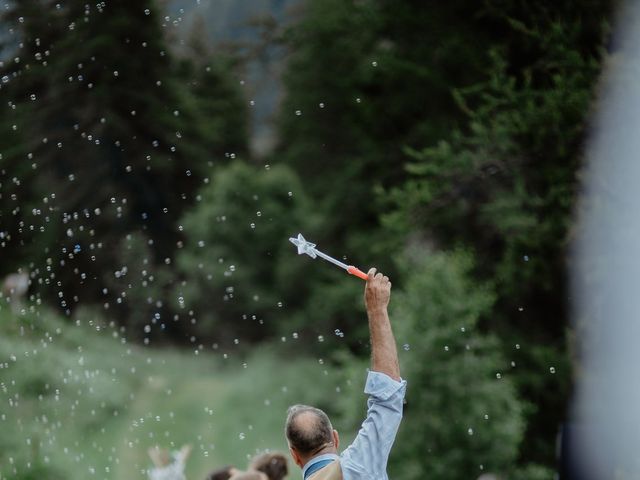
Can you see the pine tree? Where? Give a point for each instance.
(101, 135)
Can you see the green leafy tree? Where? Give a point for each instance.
(462, 415)
(239, 272)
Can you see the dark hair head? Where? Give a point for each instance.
(274, 465)
(308, 429)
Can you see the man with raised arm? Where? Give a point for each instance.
(314, 443)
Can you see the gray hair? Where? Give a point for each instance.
(311, 435)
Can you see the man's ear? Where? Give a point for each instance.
(296, 457)
(336, 439)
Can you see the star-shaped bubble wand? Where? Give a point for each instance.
(310, 249)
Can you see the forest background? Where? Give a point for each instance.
(152, 172)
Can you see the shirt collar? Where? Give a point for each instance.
(315, 460)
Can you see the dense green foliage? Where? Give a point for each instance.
(506, 185)
(462, 414)
(362, 82)
(103, 133)
(237, 250)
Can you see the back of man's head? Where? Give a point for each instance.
(308, 429)
(274, 465)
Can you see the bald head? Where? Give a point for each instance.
(308, 429)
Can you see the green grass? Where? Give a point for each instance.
(79, 402)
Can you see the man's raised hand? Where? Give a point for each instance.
(377, 291)
(384, 356)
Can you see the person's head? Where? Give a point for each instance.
(223, 473)
(274, 465)
(309, 433)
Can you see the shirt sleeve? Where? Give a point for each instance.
(366, 457)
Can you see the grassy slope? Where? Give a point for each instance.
(86, 404)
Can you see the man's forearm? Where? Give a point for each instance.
(384, 355)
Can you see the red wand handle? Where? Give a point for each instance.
(357, 272)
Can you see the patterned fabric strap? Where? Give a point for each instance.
(330, 472)
(316, 466)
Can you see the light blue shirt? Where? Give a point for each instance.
(366, 458)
